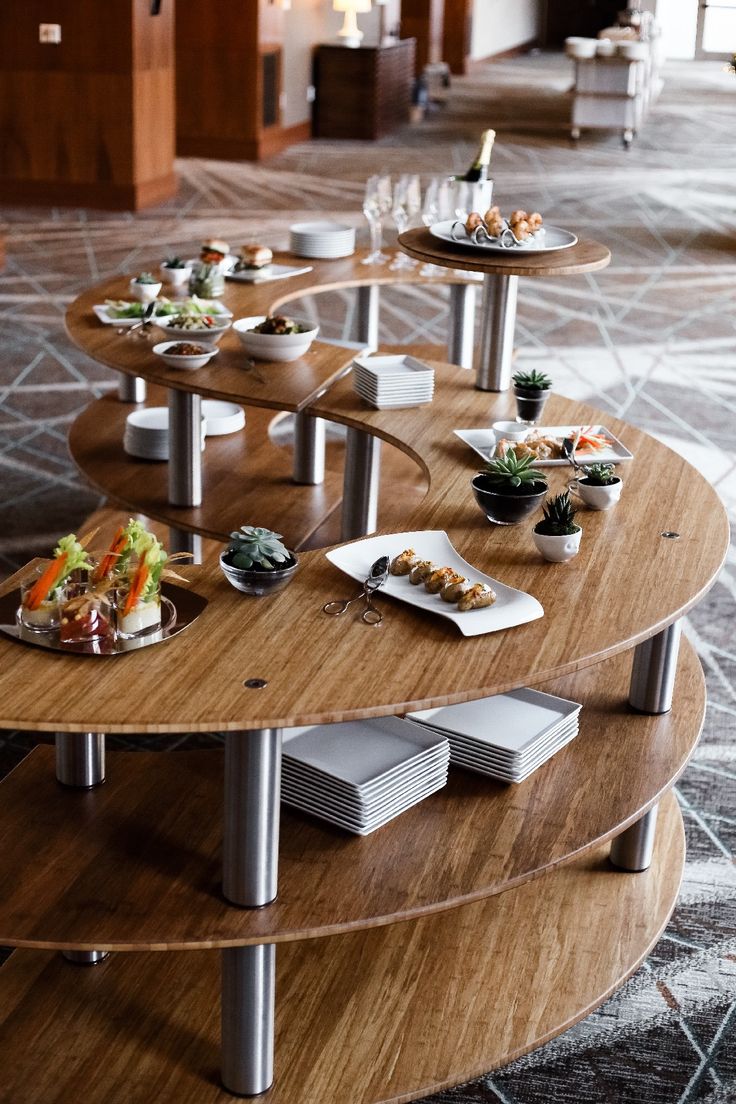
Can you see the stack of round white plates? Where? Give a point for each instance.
(325, 240)
(222, 417)
(147, 433)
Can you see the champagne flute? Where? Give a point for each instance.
(376, 204)
(406, 206)
(432, 213)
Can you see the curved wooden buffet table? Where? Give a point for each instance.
(469, 930)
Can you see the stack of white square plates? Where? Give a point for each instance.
(393, 381)
(361, 774)
(325, 240)
(507, 736)
(147, 433)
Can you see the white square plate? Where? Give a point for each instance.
(501, 773)
(357, 827)
(483, 441)
(359, 752)
(392, 368)
(325, 791)
(318, 799)
(482, 753)
(512, 607)
(434, 758)
(103, 314)
(513, 722)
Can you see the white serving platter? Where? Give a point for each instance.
(512, 607)
(102, 312)
(483, 441)
(267, 273)
(553, 239)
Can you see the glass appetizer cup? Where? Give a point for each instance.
(142, 618)
(207, 280)
(43, 617)
(85, 614)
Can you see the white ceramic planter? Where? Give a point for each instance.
(597, 497)
(558, 549)
(144, 293)
(177, 277)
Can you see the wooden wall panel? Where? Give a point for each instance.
(424, 21)
(77, 122)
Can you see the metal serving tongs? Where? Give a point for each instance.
(146, 319)
(369, 614)
(569, 444)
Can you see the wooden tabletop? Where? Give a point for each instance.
(585, 256)
(288, 386)
(627, 583)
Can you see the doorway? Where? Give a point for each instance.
(716, 29)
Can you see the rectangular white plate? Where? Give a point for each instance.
(512, 607)
(367, 810)
(475, 750)
(502, 773)
(483, 441)
(359, 752)
(392, 367)
(103, 314)
(434, 759)
(271, 272)
(364, 828)
(513, 722)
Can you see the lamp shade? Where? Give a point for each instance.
(351, 5)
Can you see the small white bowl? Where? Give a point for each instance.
(206, 336)
(606, 48)
(177, 277)
(281, 347)
(144, 293)
(633, 51)
(581, 47)
(188, 363)
(511, 431)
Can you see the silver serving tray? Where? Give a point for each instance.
(180, 607)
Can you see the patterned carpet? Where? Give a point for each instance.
(651, 339)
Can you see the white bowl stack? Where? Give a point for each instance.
(507, 736)
(147, 433)
(387, 382)
(361, 774)
(322, 240)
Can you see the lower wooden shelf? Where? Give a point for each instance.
(135, 864)
(386, 1015)
(245, 478)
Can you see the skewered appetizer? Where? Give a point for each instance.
(444, 581)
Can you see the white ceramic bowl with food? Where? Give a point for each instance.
(282, 347)
(187, 361)
(195, 330)
(510, 431)
(144, 293)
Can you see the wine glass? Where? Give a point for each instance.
(376, 204)
(435, 200)
(405, 208)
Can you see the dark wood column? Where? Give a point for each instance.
(423, 20)
(458, 25)
(91, 120)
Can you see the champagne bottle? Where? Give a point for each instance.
(478, 171)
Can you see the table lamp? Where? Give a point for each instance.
(349, 34)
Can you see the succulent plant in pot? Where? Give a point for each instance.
(256, 562)
(509, 489)
(557, 536)
(532, 389)
(599, 487)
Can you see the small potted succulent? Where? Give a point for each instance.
(532, 389)
(175, 271)
(599, 488)
(256, 562)
(557, 536)
(145, 287)
(509, 489)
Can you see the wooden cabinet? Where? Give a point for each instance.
(363, 92)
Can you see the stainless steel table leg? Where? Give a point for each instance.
(633, 849)
(461, 331)
(80, 764)
(361, 482)
(309, 449)
(180, 540)
(497, 324)
(185, 449)
(248, 1006)
(366, 319)
(654, 669)
(132, 389)
(652, 685)
(250, 878)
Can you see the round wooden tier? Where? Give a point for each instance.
(627, 583)
(147, 877)
(282, 386)
(585, 256)
(374, 1017)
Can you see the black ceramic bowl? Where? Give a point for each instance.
(256, 582)
(507, 509)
